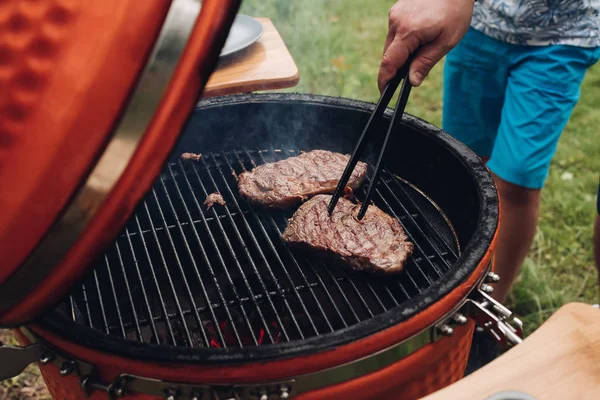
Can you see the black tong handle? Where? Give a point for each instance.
(384, 100)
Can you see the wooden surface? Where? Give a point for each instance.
(265, 65)
(559, 361)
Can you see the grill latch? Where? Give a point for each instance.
(487, 313)
(496, 319)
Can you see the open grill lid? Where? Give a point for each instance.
(126, 75)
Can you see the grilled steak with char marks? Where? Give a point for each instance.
(285, 183)
(377, 243)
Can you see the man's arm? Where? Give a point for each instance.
(433, 27)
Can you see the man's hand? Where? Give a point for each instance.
(433, 27)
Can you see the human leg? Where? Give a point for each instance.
(520, 209)
(542, 90)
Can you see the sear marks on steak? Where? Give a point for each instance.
(214, 198)
(285, 183)
(191, 156)
(377, 243)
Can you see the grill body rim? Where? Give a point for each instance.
(440, 298)
(418, 376)
(242, 370)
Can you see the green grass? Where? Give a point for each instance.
(337, 46)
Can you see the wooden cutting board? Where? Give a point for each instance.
(559, 361)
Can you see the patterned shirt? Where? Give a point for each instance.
(540, 22)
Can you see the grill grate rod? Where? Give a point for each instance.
(249, 256)
(190, 296)
(143, 287)
(87, 305)
(166, 268)
(115, 298)
(101, 302)
(134, 313)
(161, 298)
(219, 256)
(267, 264)
(207, 263)
(236, 262)
(179, 264)
(281, 264)
(72, 304)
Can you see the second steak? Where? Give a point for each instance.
(377, 243)
(287, 182)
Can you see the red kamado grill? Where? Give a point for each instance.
(190, 302)
(121, 283)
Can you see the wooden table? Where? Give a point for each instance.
(559, 361)
(265, 65)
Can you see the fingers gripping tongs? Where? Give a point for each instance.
(384, 100)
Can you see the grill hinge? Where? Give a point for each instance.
(487, 313)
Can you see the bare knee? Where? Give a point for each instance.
(517, 195)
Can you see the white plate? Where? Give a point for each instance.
(244, 31)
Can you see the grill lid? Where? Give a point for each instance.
(109, 153)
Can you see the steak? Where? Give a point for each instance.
(377, 243)
(285, 183)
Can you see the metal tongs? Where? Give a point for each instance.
(384, 100)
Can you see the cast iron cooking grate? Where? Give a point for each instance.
(185, 275)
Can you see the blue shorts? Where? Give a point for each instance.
(511, 102)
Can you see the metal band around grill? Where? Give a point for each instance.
(478, 305)
(144, 101)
